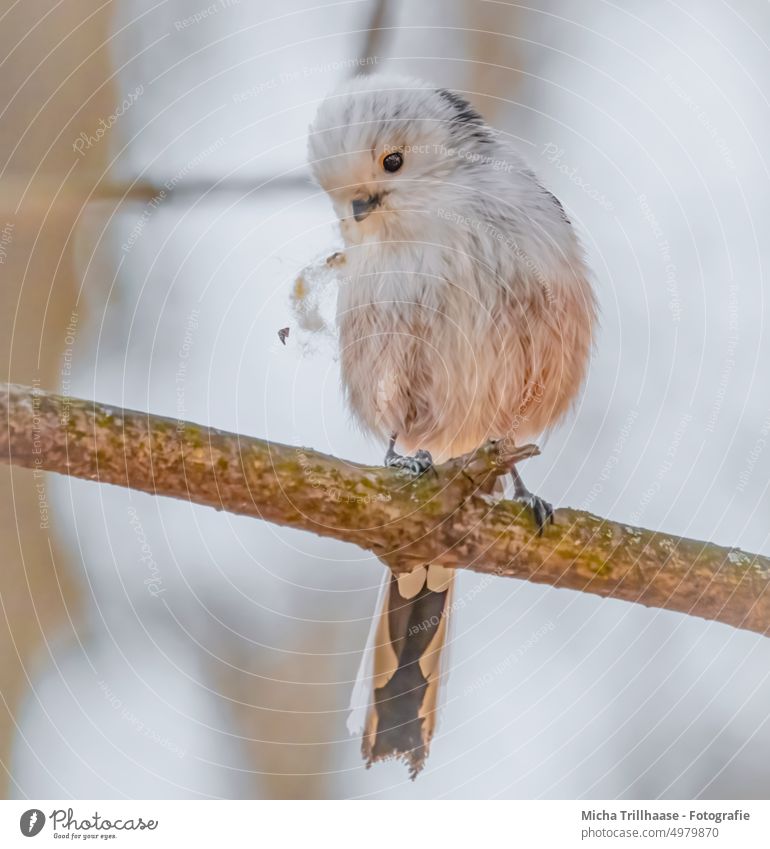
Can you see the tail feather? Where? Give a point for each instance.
(411, 633)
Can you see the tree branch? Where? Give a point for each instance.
(445, 517)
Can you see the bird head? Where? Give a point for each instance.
(392, 150)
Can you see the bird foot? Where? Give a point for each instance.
(542, 511)
(416, 464)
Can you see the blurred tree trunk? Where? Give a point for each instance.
(54, 85)
(494, 70)
(288, 725)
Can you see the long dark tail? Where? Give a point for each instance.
(411, 633)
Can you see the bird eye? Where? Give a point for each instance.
(393, 161)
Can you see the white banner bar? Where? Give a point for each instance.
(387, 824)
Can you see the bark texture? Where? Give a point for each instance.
(447, 516)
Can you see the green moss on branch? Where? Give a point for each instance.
(446, 516)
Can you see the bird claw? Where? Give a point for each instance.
(542, 511)
(417, 464)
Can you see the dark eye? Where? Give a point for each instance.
(393, 161)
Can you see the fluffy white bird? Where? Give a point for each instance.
(464, 313)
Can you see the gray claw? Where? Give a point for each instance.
(417, 464)
(542, 511)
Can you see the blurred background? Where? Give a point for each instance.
(156, 208)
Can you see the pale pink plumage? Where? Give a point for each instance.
(465, 310)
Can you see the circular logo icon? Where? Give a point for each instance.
(32, 822)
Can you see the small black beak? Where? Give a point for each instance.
(363, 206)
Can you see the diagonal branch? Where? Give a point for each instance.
(445, 517)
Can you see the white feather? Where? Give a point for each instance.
(361, 696)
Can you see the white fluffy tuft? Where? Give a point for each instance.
(464, 308)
